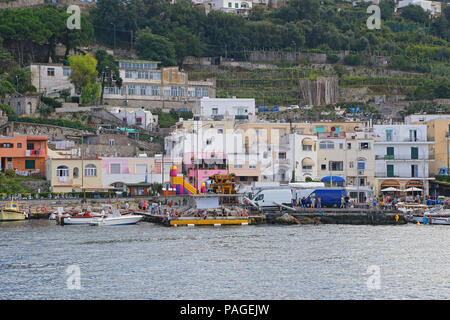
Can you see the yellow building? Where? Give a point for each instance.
(74, 175)
(438, 126)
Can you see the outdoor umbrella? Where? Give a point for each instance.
(390, 189)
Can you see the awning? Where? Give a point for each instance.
(307, 162)
(390, 189)
(334, 178)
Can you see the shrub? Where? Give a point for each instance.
(353, 60)
(332, 58)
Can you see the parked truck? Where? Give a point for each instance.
(273, 197)
(329, 197)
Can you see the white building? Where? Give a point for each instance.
(433, 7)
(136, 116)
(305, 150)
(225, 108)
(51, 78)
(236, 6)
(401, 156)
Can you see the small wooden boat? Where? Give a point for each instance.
(11, 212)
(83, 218)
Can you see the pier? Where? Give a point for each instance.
(208, 221)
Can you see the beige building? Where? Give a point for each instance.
(438, 127)
(144, 83)
(74, 175)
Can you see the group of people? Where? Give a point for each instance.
(313, 203)
(170, 214)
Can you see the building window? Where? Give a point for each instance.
(252, 166)
(414, 171)
(230, 5)
(6, 145)
(361, 164)
(323, 167)
(349, 145)
(30, 164)
(388, 135)
(75, 172)
(238, 166)
(51, 72)
(215, 111)
(112, 142)
(336, 165)
(90, 170)
(67, 72)
(156, 90)
(131, 89)
(390, 170)
(236, 5)
(307, 147)
(351, 164)
(30, 146)
(114, 168)
(341, 146)
(62, 171)
(282, 155)
(19, 145)
(364, 146)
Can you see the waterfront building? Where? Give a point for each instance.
(119, 171)
(305, 156)
(24, 154)
(74, 174)
(402, 156)
(438, 128)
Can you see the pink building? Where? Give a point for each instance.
(209, 163)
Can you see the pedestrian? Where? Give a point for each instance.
(319, 202)
(313, 202)
(303, 202)
(342, 202)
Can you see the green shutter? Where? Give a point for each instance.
(390, 170)
(30, 164)
(414, 153)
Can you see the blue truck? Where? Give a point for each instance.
(330, 197)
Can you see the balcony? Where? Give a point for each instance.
(402, 158)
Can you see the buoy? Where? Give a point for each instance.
(396, 218)
(418, 223)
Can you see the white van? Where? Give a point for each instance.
(273, 197)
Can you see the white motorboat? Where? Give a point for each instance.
(113, 220)
(79, 219)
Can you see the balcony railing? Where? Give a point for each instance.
(403, 157)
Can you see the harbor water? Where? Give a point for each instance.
(40, 260)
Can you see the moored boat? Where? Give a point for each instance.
(11, 212)
(114, 220)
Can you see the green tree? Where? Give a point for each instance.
(83, 76)
(186, 44)
(108, 71)
(150, 46)
(415, 13)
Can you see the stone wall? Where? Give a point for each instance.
(37, 129)
(20, 4)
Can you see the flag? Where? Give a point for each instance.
(146, 172)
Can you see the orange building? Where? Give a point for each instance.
(25, 154)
